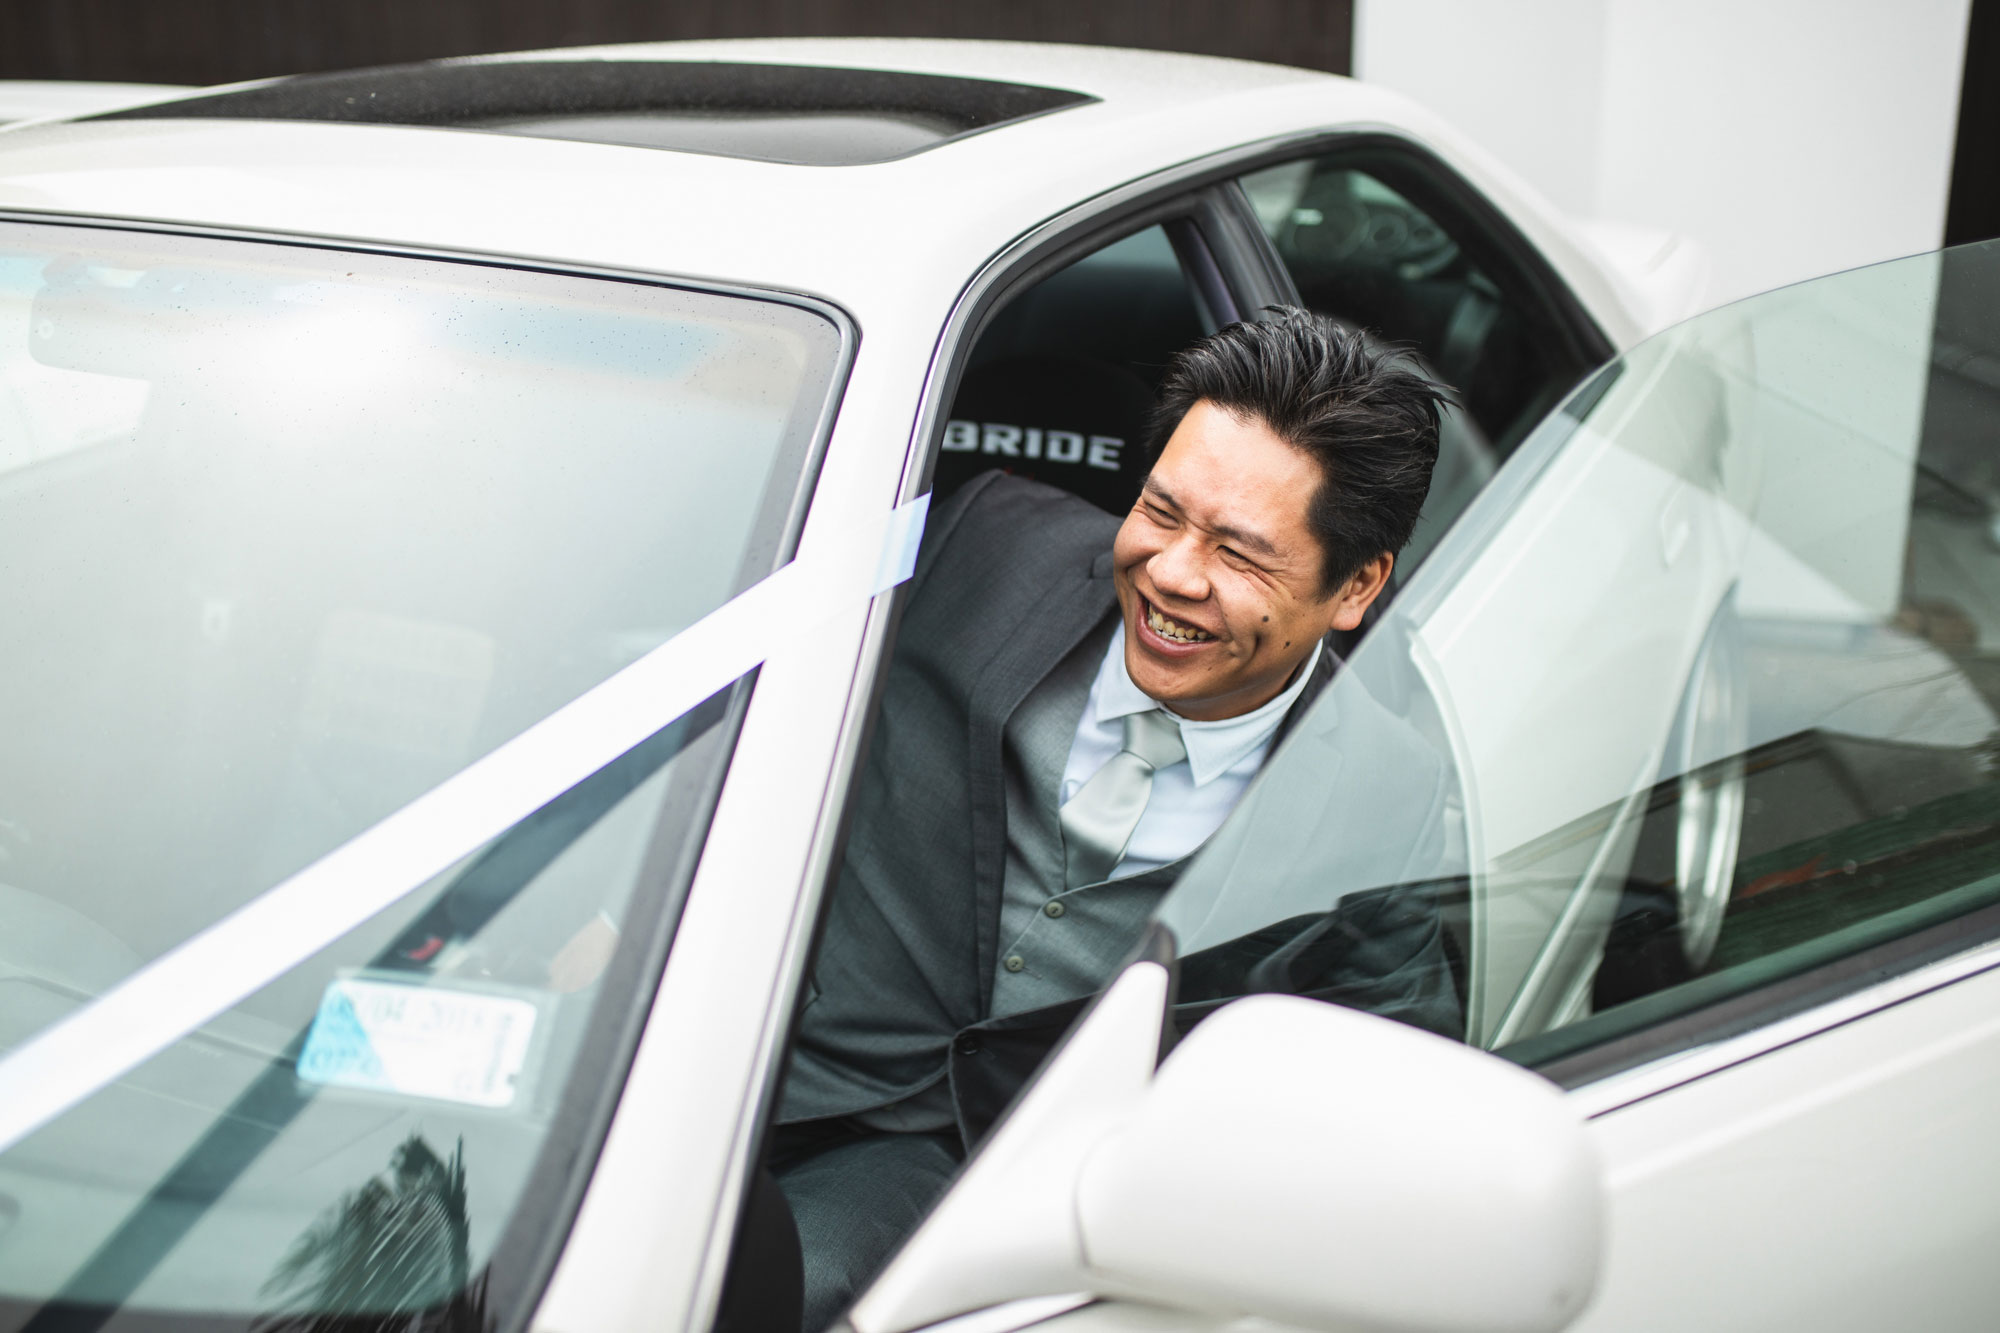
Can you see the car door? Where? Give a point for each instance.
(1830, 1085)
(1706, 834)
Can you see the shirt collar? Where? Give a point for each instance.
(1213, 748)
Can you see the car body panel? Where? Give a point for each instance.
(1844, 1182)
(1774, 1172)
(1674, 273)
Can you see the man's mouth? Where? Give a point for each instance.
(1168, 628)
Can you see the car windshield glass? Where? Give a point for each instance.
(292, 537)
(1699, 701)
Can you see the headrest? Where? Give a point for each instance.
(1067, 421)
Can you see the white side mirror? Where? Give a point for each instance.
(1325, 1168)
(1292, 1160)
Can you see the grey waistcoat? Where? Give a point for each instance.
(1072, 951)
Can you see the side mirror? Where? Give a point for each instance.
(1330, 1169)
(1291, 1160)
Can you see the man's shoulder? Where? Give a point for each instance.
(1004, 522)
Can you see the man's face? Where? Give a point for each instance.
(1218, 576)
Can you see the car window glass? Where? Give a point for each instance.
(1703, 697)
(1366, 254)
(298, 535)
(1060, 383)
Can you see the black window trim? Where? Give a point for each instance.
(1260, 261)
(1722, 1036)
(1215, 304)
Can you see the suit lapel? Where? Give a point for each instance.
(1076, 602)
(1323, 670)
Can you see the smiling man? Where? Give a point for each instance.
(1074, 707)
(1226, 589)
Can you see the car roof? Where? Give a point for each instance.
(871, 235)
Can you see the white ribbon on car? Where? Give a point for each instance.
(253, 946)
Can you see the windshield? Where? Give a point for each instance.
(292, 537)
(1698, 701)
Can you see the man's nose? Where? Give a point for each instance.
(1180, 570)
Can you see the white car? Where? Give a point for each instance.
(452, 518)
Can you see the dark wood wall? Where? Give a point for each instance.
(215, 41)
(1973, 213)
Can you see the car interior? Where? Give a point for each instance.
(1059, 388)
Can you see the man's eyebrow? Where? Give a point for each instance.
(1243, 537)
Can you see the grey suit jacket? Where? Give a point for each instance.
(1011, 578)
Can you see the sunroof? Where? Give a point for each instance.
(778, 113)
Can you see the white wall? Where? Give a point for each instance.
(1788, 137)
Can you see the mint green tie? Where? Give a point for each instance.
(1097, 822)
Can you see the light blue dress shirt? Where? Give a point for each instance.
(1192, 798)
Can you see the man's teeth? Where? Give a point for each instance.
(1173, 629)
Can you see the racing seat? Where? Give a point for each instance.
(1071, 422)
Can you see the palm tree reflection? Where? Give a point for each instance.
(390, 1256)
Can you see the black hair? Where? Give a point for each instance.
(1361, 411)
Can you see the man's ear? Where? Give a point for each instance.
(1359, 593)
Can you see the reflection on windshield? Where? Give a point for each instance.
(293, 536)
(1704, 693)
(198, 1198)
(397, 1244)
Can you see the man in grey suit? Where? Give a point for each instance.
(1074, 707)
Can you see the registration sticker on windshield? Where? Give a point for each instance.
(419, 1041)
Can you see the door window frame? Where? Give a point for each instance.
(1703, 1041)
